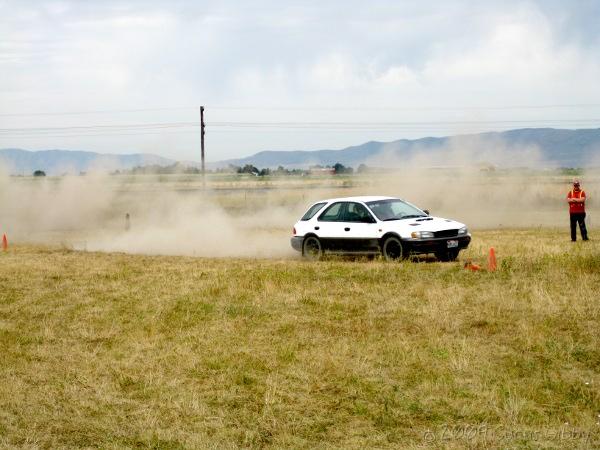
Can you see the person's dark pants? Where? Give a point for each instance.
(578, 218)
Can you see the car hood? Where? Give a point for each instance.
(406, 226)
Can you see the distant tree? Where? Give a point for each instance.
(362, 169)
(339, 168)
(249, 168)
(572, 171)
(281, 171)
(265, 172)
(39, 173)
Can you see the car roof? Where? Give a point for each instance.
(362, 198)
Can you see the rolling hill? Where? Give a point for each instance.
(533, 147)
(57, 162)
(548, 146)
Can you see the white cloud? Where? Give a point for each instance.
(78, 56)
(397, 76)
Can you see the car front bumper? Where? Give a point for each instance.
(296, 242)
(436, 245)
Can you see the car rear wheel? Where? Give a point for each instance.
(312, 249)
(392, 249)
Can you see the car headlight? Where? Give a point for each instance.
(463, 231)
(421, 234)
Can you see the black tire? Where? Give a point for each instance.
(392, 249)
(312, 248)
(447, 256)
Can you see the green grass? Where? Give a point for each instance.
(122, 351)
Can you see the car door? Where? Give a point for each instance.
(330, 226)
(360, 228)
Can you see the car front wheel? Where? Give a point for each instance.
(447, 256)
(392, 249)
(312, 249)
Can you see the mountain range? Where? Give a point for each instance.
(58, 162)
(548, 147)
(533, 147)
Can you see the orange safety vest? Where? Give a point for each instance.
(576, 208)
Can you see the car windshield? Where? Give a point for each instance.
(394, 209)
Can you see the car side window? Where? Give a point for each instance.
(355, 212)
(333, 213)
(312, 211)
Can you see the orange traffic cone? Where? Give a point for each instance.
(472, 267)
(4, 242)
(492, 260)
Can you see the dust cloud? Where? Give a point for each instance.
(484, 187)
(89, 213)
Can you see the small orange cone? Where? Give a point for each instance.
(472, 267)
(4, 242)
(492, 260)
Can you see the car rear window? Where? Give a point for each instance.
(313, 210)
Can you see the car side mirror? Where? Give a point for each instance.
(426, 211)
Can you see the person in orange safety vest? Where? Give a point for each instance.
(576, 200)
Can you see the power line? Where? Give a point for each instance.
(124, 127)
(391, 124)
(406, 108)
(150, 133)
(291, 124)
(310, 108)
(135, 125)
(166, 128)
(101, 111)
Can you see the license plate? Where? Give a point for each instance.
(452, 244)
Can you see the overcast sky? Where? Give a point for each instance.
(403, 69)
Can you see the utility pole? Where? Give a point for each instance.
(202, 132)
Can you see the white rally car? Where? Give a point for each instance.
(376, 225)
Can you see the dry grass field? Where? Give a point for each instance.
(112, 350)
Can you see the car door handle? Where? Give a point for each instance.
(316, 228)
(347, 229)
